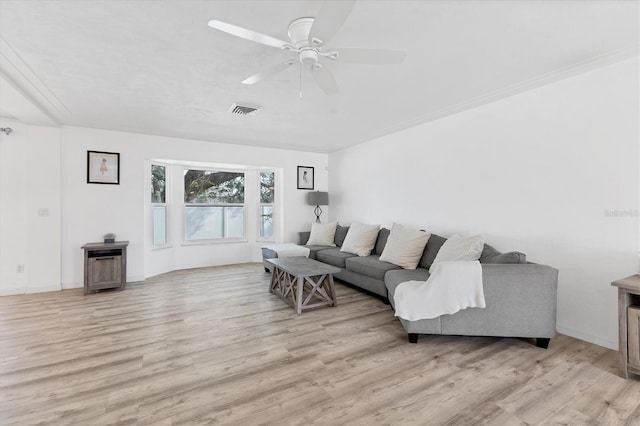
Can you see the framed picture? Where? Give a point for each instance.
(103, 167)
(305, 177)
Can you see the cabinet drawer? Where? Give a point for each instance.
(633, 330)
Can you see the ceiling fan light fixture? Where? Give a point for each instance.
(308, 56)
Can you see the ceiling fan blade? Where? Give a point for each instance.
(247, 34)
(325, 80)
(330, 18)
(268, 72)
(355, 55)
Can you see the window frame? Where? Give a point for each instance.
(185, 206)
(166, 205)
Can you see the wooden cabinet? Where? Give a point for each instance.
(629, 324)
(105, 265)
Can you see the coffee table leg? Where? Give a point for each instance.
(332, 291)
(274, 279)
(299, 291)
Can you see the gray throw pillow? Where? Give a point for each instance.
(491, 255)
(341, 234)
(431, 250)
(383, 236)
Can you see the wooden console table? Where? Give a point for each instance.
(105, 265)
(629, 324)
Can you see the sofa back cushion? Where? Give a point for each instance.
(341, 234)
(360, 239)
(381, 242)
(491, 255)
(431, 251)
(404, 246)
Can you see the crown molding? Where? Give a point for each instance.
(24, 95)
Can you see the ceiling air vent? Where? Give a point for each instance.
(245, 109)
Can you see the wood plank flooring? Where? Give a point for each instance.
(213, 346)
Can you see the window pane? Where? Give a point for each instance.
(206, 186)
(159, 225)
(267, 187)
(158, 174)
(204, 223)
(266, 221)
(233, 222)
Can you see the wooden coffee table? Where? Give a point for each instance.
(304, 283)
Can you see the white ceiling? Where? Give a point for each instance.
(155, 67)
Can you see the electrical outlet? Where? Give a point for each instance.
(20, 269)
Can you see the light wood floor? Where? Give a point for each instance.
(212, 345)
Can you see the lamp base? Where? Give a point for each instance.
(318, 212)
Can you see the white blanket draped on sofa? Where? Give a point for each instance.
(451, 287)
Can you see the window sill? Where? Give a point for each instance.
(161, 247)
(214, 242)
(265, 240)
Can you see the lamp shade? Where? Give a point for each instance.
(318, 198)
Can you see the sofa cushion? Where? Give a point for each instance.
(404, 246)
(431, 250)
(313, 251)
(370, 266)
(491, 255)
(381, 241)
(457, 248)
(341, 233)
(360, 239)
(333, 256)
(303, 237)
(322, 234)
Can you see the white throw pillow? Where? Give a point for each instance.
(360, 239)
(404, 246)
(459, 248)
(322, 234)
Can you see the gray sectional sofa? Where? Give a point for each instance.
(520, 296)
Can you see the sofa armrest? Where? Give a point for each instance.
(521, 302)
(303, 237)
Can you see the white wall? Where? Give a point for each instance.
(89, 211)
(536, 172)
(29, 208)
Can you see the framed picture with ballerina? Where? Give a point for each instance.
(103, 167)
(305, 177)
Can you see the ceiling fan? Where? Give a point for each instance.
(308, 38)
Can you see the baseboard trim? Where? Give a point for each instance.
(30, 290)
(596, 340)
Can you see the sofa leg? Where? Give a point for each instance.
(266, 270)
(413, 337)
(542, 342)
(386, 301)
